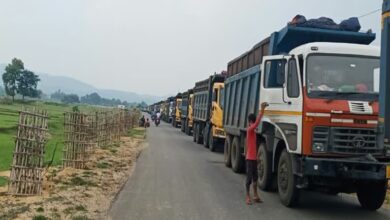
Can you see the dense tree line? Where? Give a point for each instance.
(91, 99)
(18, 80)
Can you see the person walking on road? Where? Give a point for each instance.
(251, 156)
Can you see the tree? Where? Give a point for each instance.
(27, 84)
(92, 99)
(72, 98)
(11, 75)
(58, 95)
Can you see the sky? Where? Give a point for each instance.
(156, 47)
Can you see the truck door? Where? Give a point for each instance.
(280, 87)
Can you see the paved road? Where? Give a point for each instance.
(178, 179)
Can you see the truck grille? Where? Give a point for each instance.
(353, 140)
(360, 107)
(347, 140)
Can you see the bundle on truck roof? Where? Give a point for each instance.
(290, 37)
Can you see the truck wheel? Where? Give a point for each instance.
(182, 127)
(194, 132)
(198, 139)
(186, 128)
(372, 195)
(212, 141)
(236, 158)
(206, 133)
(288, 192)
(264, 167)
(226, 152)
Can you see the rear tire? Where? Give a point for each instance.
(198, 139)
(288, 192)
(264, 165)
(372, 195)
(212, 142)
(194, 133)
(226, 152)
(187, 129)
(206, 134)
(182, 127)
(237, 159)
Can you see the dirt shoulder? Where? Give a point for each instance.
(78, 194)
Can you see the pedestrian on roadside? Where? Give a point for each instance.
(251, 155)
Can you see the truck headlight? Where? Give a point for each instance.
(318, 147)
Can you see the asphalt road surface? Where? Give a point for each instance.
(177, 179)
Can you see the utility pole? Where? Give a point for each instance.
(384, 97)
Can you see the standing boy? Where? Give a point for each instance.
(251, 155)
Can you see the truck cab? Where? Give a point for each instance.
(176, 121)
(216, 125)
(187, 111)
(208, 111)
(320, 130)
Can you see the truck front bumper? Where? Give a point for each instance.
(353, 169)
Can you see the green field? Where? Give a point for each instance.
(9, 114)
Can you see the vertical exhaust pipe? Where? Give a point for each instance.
(384, 97)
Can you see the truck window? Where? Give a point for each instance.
(292, 79)
(274, 73)
(215, 95)
(221, 97)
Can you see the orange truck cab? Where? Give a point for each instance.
(320, 130)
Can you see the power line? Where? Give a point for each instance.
(370, 13)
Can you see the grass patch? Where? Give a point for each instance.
(80, 208)
(13, 213)
(9, 115)
(80, 217)
(137, 132)
(3, 181)
(40, 209)
(79, 181)
(103, 165)
(39, 217)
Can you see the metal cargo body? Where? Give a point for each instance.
(203, 96)
(241, 99)
(288, 38)
(184, 105)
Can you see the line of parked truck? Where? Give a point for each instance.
(320, 130)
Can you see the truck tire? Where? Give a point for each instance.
(226, 152)
(212, 142)
(194, 133)
(206, 134)
(264, 167)
(198, 139)
(182, 127)
(237, 159)
(372, 195)
(186, 128)
(288, 192)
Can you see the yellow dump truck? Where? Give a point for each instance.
(208, 112)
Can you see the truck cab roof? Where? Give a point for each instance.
(337, 48)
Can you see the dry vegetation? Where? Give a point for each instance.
(79, 194)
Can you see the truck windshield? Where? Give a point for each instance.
(342, 77)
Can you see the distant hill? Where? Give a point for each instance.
(50, 84)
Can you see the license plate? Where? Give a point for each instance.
(388, 172)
